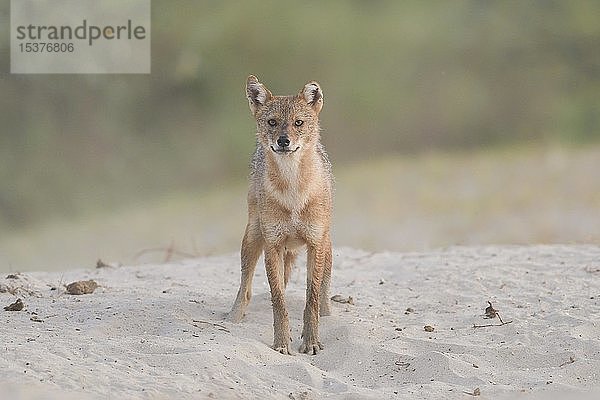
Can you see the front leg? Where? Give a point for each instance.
(315, 266)
(281, 325)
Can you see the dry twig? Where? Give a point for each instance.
(488, 325)
(170, 251)
(491, 312)
(218, 326)
(570, 361)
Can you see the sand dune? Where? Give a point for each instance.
(157, 331)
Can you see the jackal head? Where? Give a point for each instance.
(286, 125)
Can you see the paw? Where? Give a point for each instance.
(283, 349)
(311, 347)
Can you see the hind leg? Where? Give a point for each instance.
(324, 308)
(252, 246)
(288, 264)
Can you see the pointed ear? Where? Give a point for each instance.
(257, 94)
(313, 95)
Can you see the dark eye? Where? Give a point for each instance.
(298, 122)
(272, 122)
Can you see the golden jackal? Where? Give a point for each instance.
(289, 205)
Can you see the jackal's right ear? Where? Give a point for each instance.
(257, 94)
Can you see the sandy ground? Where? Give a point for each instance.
(157, 331)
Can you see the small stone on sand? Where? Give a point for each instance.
(82, 287)
(16, 306)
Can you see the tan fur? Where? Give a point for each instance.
(289, 206)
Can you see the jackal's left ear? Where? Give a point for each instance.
(257, 94)
(313, 95)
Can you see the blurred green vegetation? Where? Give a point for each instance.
(398, 77)
(510, 195)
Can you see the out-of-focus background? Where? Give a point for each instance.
(463, 122)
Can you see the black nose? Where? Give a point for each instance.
(283, 141)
